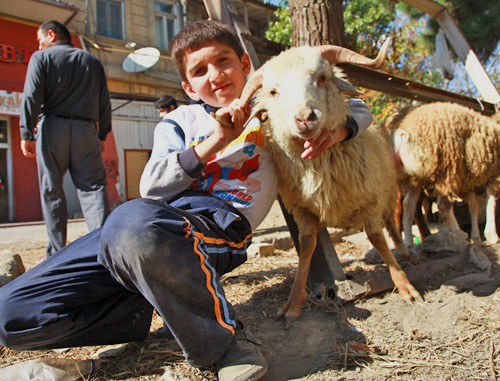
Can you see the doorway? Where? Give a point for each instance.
(4, 172)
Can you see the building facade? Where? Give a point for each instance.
(132, 40)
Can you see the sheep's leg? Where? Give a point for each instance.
(490, 230)
(308, 226)
(446, 214)
(398, 276)
(473, 206)
(398, 213)
(421, 221)
(409, 205)
(396, 237)
(427, 207)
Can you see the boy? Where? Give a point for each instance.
(206, 188)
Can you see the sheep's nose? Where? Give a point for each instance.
(306, 120)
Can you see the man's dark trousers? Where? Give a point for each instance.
(70, 144)
(101, 289)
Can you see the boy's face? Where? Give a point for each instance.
(215, 74)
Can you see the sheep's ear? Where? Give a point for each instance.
(346, 88)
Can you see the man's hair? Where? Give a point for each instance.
(59, 29)
(198, 33)
(166, 101)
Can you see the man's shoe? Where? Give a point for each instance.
(243, 360)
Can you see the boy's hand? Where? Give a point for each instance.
(327, 138)
(225, 132)
(237, 114)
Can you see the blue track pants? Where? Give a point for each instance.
(102, 288)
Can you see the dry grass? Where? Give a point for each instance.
(454, 336)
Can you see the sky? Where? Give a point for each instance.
(273, 2)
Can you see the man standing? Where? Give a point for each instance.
(67, 87)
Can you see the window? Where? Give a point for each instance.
(166, 19)
(110, 19)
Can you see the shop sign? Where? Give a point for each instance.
(10, 102)
(14, 54)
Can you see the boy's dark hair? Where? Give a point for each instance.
(59, 29)
(166, 101)
(198, 33)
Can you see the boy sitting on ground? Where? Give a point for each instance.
(205, 188)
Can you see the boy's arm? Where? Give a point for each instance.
(360, 117)
(172, 167)
(358, 120)
(163, 175)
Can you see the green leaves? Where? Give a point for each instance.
(281, 30)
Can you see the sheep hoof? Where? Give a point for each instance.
(408, 243)
(413, 298)
(286, 317)
(287, 321)
(280, 318)
(491, 238)
(414, 251)
(475, 241)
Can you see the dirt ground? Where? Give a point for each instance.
(453, 335)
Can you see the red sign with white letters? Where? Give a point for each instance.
(17, 44)
(14, 54)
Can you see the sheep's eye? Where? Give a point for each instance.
(321, 79)
(273, 92)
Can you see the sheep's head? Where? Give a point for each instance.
(302, 92)
(299, 92)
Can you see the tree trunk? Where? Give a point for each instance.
(317, 22)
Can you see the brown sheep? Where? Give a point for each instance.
(455, 151)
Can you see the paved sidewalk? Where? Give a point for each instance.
(36, 232)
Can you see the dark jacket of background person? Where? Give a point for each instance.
(63, 80)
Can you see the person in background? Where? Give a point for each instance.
(165, 104)
(66, 87)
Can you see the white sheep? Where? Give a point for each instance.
(453, 150)
(353, 185)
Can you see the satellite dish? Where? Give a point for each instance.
(141, 60)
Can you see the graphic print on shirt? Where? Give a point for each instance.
(220, 172)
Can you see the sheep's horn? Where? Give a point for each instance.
(253, 84)
(337, 54)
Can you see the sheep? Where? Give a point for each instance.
(353, 185)
(453, 150)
